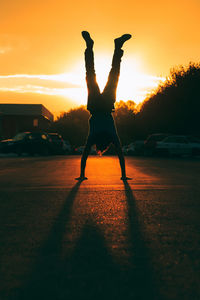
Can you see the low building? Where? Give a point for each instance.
(15, 118)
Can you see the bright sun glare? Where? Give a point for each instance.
(133, 84)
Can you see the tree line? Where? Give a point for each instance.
(174, 108)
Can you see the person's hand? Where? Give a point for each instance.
(124, 178)
(81, 178)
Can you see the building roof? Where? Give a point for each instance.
(26, 109)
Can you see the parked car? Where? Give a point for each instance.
(57, 144)
(139, 147)
(179, 145)
(125, 149)
(79, 150)
(27, 142)
(93, 151)
(195, 144)
(151, 142)
(130, 149)
(6, 146)
(134, 148)
(67, 147)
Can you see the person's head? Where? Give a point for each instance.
(103, 141)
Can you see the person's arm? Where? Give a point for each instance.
(119, 152)
(85, 154)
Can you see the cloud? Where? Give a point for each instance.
(66, 85)
(45, 84)
(71, 85)
(60, 81)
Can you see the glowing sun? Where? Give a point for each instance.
(133, 83)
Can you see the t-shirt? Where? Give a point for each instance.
(102, 123)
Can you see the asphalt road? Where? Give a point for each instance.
(101, 238)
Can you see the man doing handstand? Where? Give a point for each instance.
(102, 130)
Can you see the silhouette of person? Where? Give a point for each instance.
(102, 130)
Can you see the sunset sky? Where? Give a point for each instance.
(41, 48)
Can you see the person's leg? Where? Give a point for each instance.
(111, 85)
(113, 78)
(85, 154)
(92, 85)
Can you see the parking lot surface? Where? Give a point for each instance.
(101, 238)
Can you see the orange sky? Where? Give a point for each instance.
(43, 37)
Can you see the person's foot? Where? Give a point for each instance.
(81, 178)
(121, 40)
(87, 38)
(124, 178)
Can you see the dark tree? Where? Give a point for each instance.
(73, 125)
(175, 106)
(125, 120)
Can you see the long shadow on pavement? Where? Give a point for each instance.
(90, 272)
(142, 272)
(44, 278)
